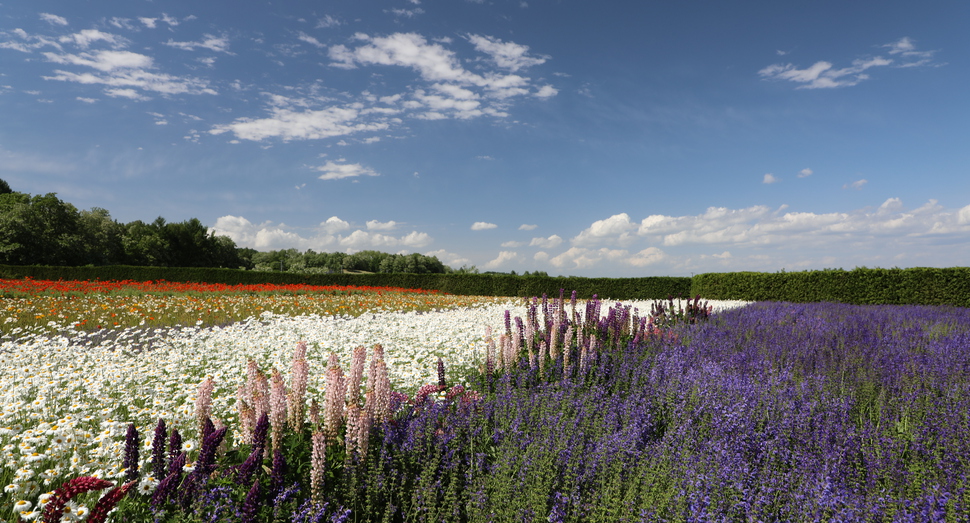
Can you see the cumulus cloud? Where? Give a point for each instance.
(503, 258)
(527, 227)
(374, 225)
(804, 173)
(326, 236)
(617, 229)
(546, 243)
(858, 184)
(512, 244)
(336, 171)
(449, 258)
(769, 178)
(481, 226)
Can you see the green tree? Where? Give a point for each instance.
(102, 236)
(39, 230)
(144, 245)
(5, 187)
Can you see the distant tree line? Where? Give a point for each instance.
(311, 262)
(44, 230)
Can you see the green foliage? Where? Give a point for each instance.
(861, 286)
(43, 230)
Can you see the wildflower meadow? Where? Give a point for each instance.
(132, 402)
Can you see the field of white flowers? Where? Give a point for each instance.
(68, 398)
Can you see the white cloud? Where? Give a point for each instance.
(858, 184)
(334, 225)
(527, 227)
(327, 21)
(269, 236)
(547, 91)
(86, 100)
(805, 172)
(374, 225)
(86, 37)
(218, 44)
(507, 55)
(615, 229)
(310, 40)
(128, 78)
(149, 22)
(963, 216)
(546, 243)
(126, 93)
(769, 178)
(512, 244)
(53, 19)
(481, 226)
(905, 49)
(502, 258)
(288, 124)
(583, 258)
(103, 60)
(821, 75)
(449, 258)
(335, 171)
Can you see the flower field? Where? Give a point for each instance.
(277, 406)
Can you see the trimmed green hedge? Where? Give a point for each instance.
(927, 286)
(863, 286)
(460, 284)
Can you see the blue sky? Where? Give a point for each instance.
(572, 137)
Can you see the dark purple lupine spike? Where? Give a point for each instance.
(260, 431)
(158, 450)
(247, 513)
(278, 471)
(178, 463)
(206, 464)
(441, 371)
(165, 489)
(244, 474)
(130, 462)
(174, 448)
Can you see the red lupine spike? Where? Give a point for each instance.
(79, 485)
(108, 502)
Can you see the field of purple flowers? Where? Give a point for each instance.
(769, 412)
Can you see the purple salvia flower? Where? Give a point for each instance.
(130, 462)
(158, 449)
